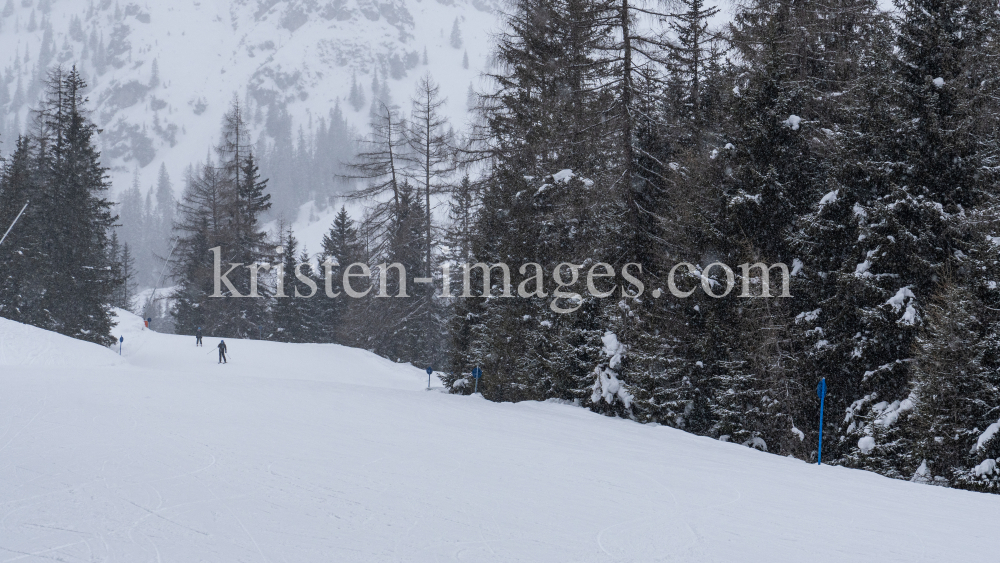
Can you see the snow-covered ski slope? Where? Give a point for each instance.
(319, 453)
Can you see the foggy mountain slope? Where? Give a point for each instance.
(163, 73)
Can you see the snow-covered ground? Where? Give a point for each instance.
(301, 453)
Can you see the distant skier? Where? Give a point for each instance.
(222, 351)
(197, 337)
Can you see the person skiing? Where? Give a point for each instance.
(197, 337)
(222, 351)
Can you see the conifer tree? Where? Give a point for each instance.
(690, 56)
(461, 216)
(246, 200)
(22, 264)
(456, 36)
(123, 273)
(956, 389)
(543, 117)
(381, 162)
(166, 207)
(76, 288)
(399, 315)
(292, 316)
(357, 95)
(135, 226)
(797, 61)
(154, 75)
(222, 207)
(199, 227)
(430, 152)
(339, 314)
(925, 169)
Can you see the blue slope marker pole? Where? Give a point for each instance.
(120, 340)
(429, 372)
(477, 372)
(821, 392)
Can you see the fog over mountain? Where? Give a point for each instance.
(162, 74)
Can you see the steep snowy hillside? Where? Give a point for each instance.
(27, 346)
(310, 453)
(163, 73)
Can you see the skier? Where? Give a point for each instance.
(222, 351)
(197, 337)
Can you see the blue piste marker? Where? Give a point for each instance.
(477, 372)
(821, 393)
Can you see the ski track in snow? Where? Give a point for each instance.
(301, 453)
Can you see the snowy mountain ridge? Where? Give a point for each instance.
(162, 74)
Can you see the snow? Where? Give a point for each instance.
(987, 467)
(862, 268)
(904, 295)
(938, 82)
(563, 176)
(796, 266)
(607, 386)
(866, 444)
(828, 198)
(901, 296)
(889, 413)
(612, 349)
(922, 474)
(29, 347)
(316, 453)
(793, 121)
(910, 317)
(808, 316)
(985, 437)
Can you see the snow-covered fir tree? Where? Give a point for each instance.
(65, 283)
(222, 208)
